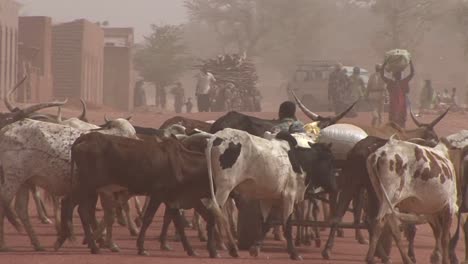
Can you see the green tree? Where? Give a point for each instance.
(163, 57)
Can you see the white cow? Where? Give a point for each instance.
(267, 170)
(414, 184)
(35, 152)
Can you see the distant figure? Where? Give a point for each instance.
(139, 97)
(446, 97)
(161, 96)
(204, 83)
(257, 97)
(397, 90)
(189, 105)
(179, 97)
(356, 90)
(427, 93)
(375, 94)
(453, 98)
(338, 88)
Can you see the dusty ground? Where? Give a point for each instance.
(346, 249)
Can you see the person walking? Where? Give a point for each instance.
(375, 95)
(397, 89)
(179, 97)
(204, 83)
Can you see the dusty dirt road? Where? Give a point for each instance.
(346, 249)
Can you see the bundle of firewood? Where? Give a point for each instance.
(232, 68)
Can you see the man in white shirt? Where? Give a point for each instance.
(204, 81)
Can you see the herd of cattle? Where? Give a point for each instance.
(398, 177)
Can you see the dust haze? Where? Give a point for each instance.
(355, 33)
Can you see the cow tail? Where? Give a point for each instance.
(376, 169)
(213, 204)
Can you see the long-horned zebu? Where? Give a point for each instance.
(163, 169)
(271, 171)
(248, 211)
(38, 153)
(355, 177)
(414, 184)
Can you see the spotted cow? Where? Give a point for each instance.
(272, 171)
(414, 184)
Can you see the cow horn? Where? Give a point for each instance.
(31, 109)
(106, 119)
(414, 118)
(83, 117)
(341, 115)
(59, 114)
(129, 118)
(304, 109)
(437, 120)
(7, 99)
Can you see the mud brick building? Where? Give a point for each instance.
(78, 60)
(8, 44)
(35, 58)
(119, 79)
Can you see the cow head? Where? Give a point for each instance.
(426, 131)
(324, 121)
(17, 113)
(119, 126)
(317, 162)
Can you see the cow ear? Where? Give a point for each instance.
(129, 118)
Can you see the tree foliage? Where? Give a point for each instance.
(162, 57)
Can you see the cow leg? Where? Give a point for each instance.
(66, 216)
(153, 206)
(256, 247)
(446, 222)
(314, 215)
(138, 207)
(465, 229)
(21, 207)
(343, 203)
(199, 227)
(40, 208)
(375, 231)
(165, 227)
(230, 207)
(396, 233)
(179, 224)
(56, 206)
(131, 225)
(210, 228)
(84, 210)
(109, 206)
(299, 217)
(358, 203)
(119, 214)
(293, 254)
(410, 232)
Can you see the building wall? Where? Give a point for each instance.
(8, 44)
(35, 52)
(119, 80)
(77, 61)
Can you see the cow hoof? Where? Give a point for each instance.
(143, 253)
(389, 261)
(254, 251)
(114, 248)
(5, 249)
(233, 252)
(133, 232)
(39, 249)
(95, 251)
(202, 238)
(340, 233)
(46, 221)
(318, 243)
(362, 240)
(192, 253)
(138, 221)
(215, 255)
(165, 247)
(435, 258)
(279, 237)
(296, 257)
(221, 246)
(326, 254)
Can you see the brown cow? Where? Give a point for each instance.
(166, 171)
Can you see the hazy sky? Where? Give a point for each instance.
(138, 14)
